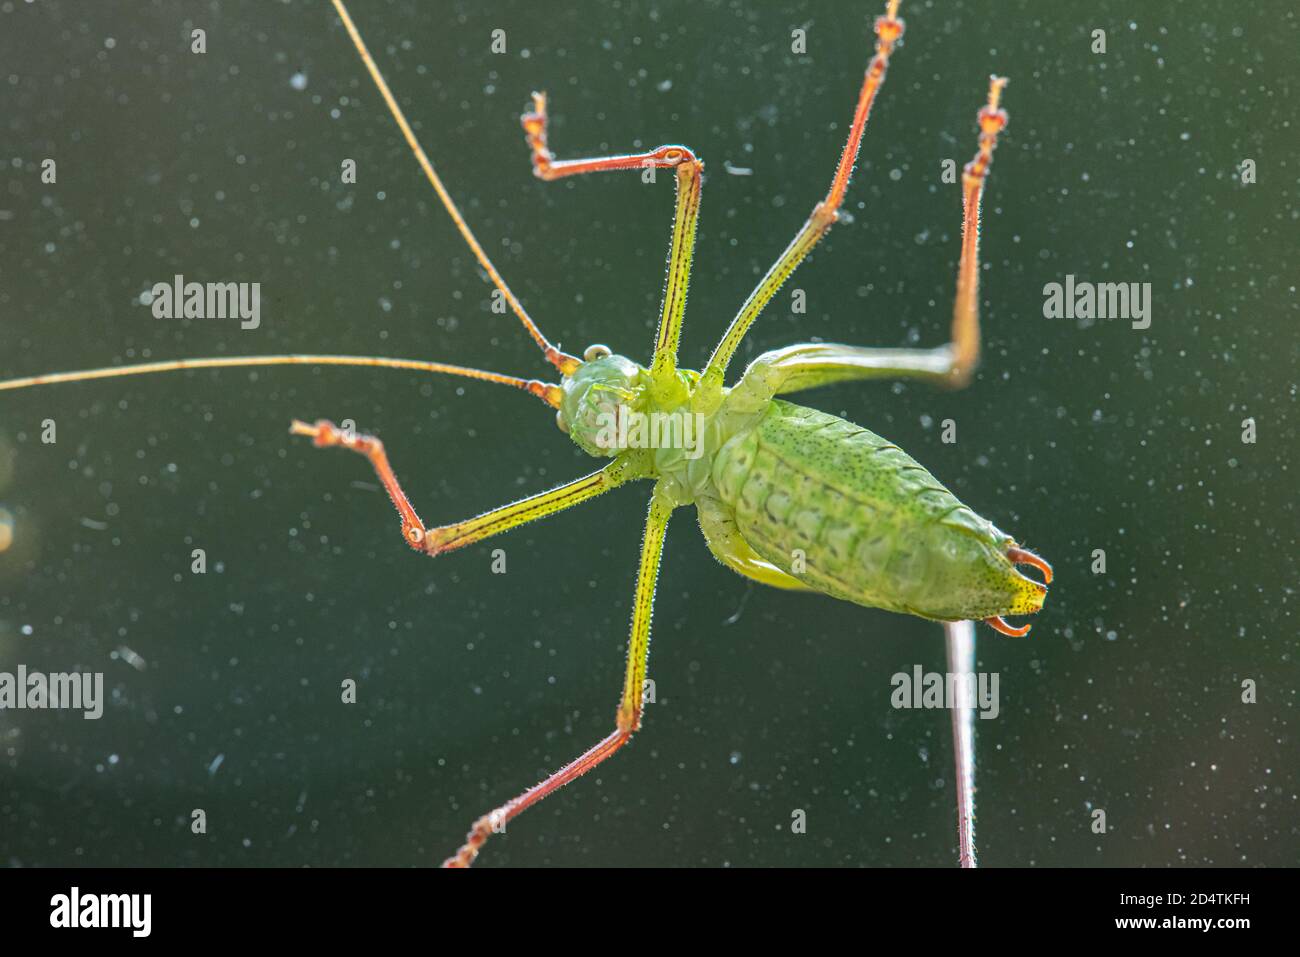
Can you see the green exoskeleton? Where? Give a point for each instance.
(797, 498)
(784, 494)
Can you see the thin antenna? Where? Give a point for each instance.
(550, 394)
(561, 360)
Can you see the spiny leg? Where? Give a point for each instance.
(547, 167)
(688, 170)
(445, 538)
(810, 365)
(663, 368)
(628, 717)
(888, 31)
(965, 311)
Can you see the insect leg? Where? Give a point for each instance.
(888, 31)
(965, 313)
(814, 364)
(688, 170)
(628, 718)
(546, 166)
(728, 546)
(445, 538)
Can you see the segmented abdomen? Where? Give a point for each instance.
(847, 512)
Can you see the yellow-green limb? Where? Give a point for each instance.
(638, 649)
(889, 29)
(498, 520)
(628, 718)
(688, 170)
(445, 538)
(728, 546)
(810, 365)
(663, 369)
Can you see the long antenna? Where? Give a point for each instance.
(550, 394)
(561, 360)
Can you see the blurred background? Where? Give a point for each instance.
(1077, 435)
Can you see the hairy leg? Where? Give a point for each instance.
(815, 364)
(445, 538)
(688, 171)
(628, 716)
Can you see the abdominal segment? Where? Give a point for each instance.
(852, 515)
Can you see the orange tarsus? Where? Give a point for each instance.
(547, 167)
(998, 624)
(325, 434)
(1021, 556)
(889, 30)
(489, 823)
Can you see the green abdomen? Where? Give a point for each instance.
(850, 514)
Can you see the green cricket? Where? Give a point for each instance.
(785, 495)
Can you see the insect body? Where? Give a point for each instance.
(809, 499)
(785, 495)
(871, 525)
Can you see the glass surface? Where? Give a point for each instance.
(224, 689)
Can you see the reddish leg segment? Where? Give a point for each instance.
(445, 538)
(546, 166)
(688, 171)
(809, 365)
(628, 717)
(889, 29)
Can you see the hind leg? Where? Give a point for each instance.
(815, 364)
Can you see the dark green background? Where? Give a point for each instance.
(1075, 435)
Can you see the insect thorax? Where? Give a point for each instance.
(611, 405)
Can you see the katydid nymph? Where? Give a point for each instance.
(785, 495)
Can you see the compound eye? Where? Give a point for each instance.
(596, 351)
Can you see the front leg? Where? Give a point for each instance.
(445, 538)
(689, 172)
